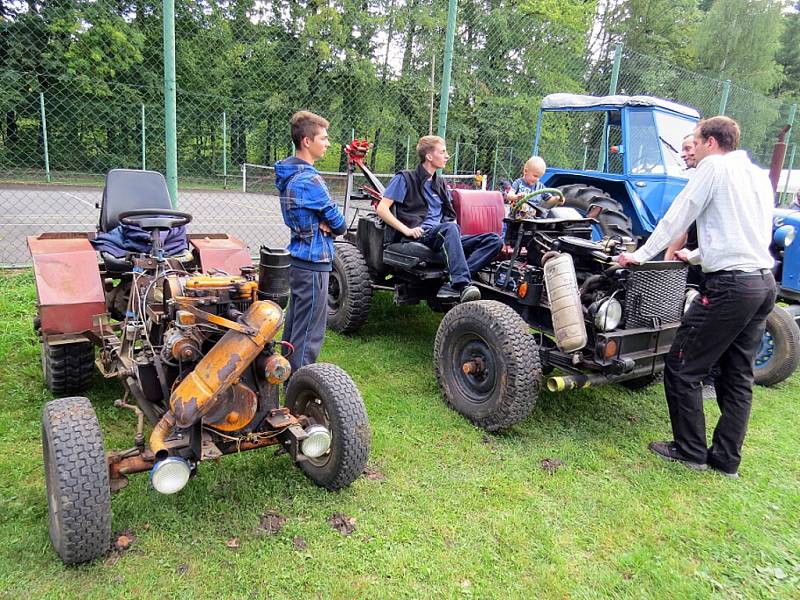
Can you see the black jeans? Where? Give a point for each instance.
(464, 255)
(724, 326)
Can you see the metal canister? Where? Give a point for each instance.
(273, 275)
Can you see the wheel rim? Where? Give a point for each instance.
(334, 292)
(766, 350)
(474, 367)
(313, 407)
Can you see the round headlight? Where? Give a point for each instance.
(170, 475)
(317, 443)
(784, 235)
(608, 315)
(691, 294)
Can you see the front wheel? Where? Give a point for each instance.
(76, 474)
(327, 396)
(487, 364)
(779, 353)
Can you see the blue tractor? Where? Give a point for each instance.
(622, 166)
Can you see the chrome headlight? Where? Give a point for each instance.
(784, 235)
(317, 443)
(691, 294)
(170, 475)
(608, 315)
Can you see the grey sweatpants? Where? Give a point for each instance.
(304, 327)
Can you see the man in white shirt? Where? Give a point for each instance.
(731, 200)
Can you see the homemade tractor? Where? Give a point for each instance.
(553, 299)
(625, 169)
(192, 339)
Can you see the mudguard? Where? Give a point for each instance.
(68, 283)
(220, 252)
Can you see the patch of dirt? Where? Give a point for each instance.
(551, 465)
(299, 543)
(124, 540)
(271, 522)
(342, 523)
(372, 473)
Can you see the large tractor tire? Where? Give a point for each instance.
(327, 396)
(487, 364)
(349, 290)
(78, 492)
(67, 368)
(612, 218)
(779, 354)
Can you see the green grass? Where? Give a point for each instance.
(459, 514)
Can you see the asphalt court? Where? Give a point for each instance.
(33, 209)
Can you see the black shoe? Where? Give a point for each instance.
(448, 292)
(470, 293)
(669, 451)
(723, 472)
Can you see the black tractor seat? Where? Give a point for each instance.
(410, 255)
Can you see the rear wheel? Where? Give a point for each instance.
(612, 218)
(487, 364)
(67, 368)
(779, 353)
(78, 492)
(349, 290)
(327, 396)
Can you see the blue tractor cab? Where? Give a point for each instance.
(622, 159)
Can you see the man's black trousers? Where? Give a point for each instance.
(724, 326)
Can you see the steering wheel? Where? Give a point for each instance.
(538, 208)
(155, 219)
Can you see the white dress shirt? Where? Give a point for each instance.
(731, 199)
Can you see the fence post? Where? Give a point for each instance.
(444, 97)
(494, 167)
(44, 138)
(170, 101)
(144, 143)
(408, 148)
(224, 150)
(455, 158)
(726, 90)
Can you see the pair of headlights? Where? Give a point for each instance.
(170, 475)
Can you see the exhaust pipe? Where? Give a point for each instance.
(580, 381)
(778, 156)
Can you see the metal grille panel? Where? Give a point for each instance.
(654, 296)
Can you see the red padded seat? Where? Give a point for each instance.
(478, 211)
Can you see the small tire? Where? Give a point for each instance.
(349, 290)
(67, 368)
(493, 338)
(328, 396)
(779, 353)
(612, 219)
(76, 474)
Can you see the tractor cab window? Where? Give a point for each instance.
(672, 129)
(644, 154)
(615, 147)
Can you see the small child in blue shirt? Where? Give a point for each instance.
(529, 182)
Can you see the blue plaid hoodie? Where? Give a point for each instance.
(305, 203)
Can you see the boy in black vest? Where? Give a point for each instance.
(423, 212)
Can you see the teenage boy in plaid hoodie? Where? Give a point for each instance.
(313, 219)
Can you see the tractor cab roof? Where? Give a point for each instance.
(584, 102)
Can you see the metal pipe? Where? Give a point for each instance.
(44, 137)
(144, 143)
(444, 97)
(789, 171)
(726, 90)
(778, 154)
(535, 151)
(225, 149)
(612, 86)
(160, 432)
(455, 157)
(579, 381)
(170, 102)
(494, 167)
(408, 148)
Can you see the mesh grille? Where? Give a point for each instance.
(654, 296)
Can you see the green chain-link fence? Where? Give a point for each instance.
(81, 92)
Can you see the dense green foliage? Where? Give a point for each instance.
(367, 65)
